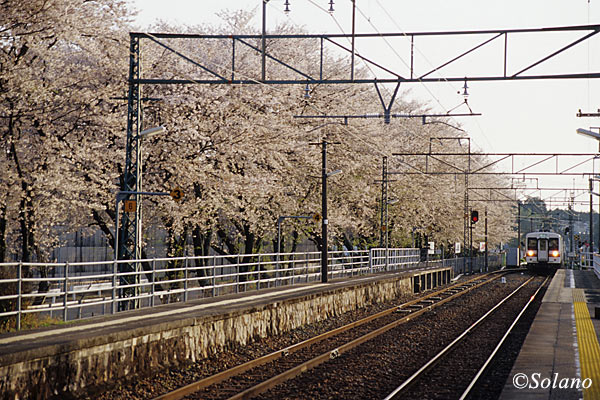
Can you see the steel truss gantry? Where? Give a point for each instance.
(216, 70)
(465, 163)
(440, 163)
(212, 72)
(498, 194)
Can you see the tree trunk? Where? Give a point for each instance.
(3, 233)
(201, 241)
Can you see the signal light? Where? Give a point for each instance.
(474, 216)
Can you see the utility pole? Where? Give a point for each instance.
(519, 230)
(467, 221)
(263, 40)
(384, 199)
(591, 229)
(570, 209)
(531, 223)
(353, 38)
(486, 241)
(324, 221)
(593, 115)
(470, 247)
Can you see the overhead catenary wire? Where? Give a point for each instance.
(399, 57)
(388, 44)
(370, 145)
(454, 88)
(342, 31)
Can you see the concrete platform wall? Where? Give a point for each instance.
(101, 359)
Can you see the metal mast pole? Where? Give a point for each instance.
(279, 220)
(471, 247)
(519, 231)
(486, 241)
(591, 241)
(387, 243)
(467, 218)
(353, 37)
(264, 40)
(531, 223)
(383, 201)
(324, 221)
(571, 234)
(130, 240)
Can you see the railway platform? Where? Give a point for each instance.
(560, 358)
(62, 361)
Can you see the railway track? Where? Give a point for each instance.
(259, 375)
(422, 379)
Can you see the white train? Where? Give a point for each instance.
(544, 251)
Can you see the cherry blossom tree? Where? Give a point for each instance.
(57, 76)
(236, 151)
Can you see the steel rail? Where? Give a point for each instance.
(497, 348)
(295, 371)
(239, 369)
(438, 356)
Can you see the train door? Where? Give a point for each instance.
(542, 250)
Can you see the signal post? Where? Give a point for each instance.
(474, 219)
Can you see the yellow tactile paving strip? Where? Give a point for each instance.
(589, 349)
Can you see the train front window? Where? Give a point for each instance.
(543, 244)
(531, 244)
(553, 244)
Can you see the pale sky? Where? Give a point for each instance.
(518, 117)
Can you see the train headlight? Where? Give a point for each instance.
(555, 253)
(531, 253)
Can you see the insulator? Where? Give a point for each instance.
(287, 7)
(307, 91)
(331, 10)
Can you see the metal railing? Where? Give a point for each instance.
(586, 260)
(382, 259)
(71, 291)
(462, 265)
(78, 290)
(596, 261)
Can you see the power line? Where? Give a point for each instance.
(454, 88)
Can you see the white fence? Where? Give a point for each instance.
(597, 264)
(79, 290)
(586, 260)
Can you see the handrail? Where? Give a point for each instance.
(164, 283)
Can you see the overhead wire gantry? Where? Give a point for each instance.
(211, 70)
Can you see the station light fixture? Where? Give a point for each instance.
(589, 133)
(148, 133)
(332, 173)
